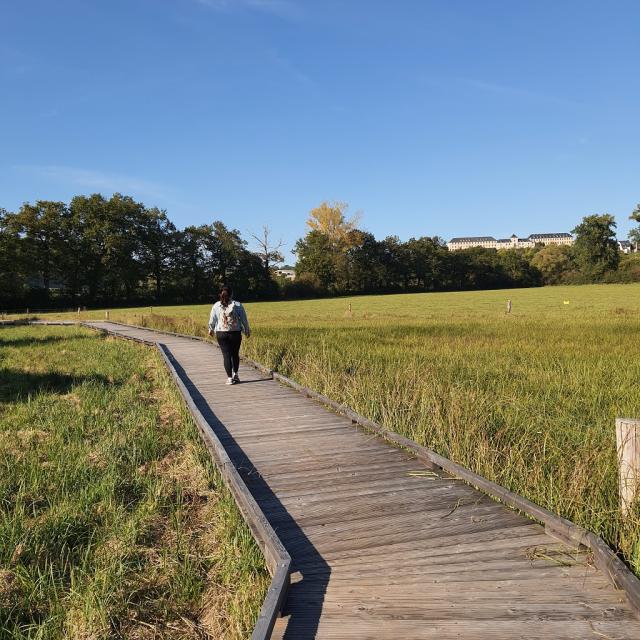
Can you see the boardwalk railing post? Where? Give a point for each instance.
(628, 447)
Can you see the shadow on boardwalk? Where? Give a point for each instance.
(311, 588)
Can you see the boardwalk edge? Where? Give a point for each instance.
(276, 556)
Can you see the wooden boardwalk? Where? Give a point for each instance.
(377, 550)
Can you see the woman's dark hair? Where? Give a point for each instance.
(226, 294)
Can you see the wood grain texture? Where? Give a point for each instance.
(628, 446)
(378, 550)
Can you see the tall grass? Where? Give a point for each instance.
(527, 399)
(113, 521)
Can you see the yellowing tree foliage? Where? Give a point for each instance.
(329, 219)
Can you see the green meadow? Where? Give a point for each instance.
(113, 521)
(527, 399)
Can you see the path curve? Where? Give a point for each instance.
(382, 547)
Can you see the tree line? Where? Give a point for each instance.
(98, 251)
(337, 257)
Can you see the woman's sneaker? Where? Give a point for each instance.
(236, 379)
(230, 381)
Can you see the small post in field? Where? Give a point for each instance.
(151, 309)
(628, 447)
(78, 312)
(106, 315)
(509, 306)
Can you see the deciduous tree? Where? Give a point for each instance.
(268, 250)
(553, 261)
(330, 219)
(157, 248)
(634, 234)
(316, 257)
(595, 248)
(12, 277)
(40, 227)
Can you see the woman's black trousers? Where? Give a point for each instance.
(229, 342)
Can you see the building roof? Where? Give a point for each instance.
(624, 243)
(474, 239)
(542, 236)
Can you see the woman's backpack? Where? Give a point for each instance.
(229, 318)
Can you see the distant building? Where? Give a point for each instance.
(625, 246)
(287, 272)
(489, 242)
(551, 238)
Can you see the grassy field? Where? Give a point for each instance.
(527, 399)
(113, 521)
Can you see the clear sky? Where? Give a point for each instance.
(448, 117)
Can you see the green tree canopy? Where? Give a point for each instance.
(40, 227)
(12, 276)
(634, 234)
(595, 248)
(553, 261)
(316, 258)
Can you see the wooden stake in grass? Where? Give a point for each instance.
(508, 306)
(628, 445)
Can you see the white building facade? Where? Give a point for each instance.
(289, 274)
(514, 242)
(625, 246)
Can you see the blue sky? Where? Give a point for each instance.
(431, 118)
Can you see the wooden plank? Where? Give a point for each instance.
(392, 629)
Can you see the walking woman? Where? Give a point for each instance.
(229, 320)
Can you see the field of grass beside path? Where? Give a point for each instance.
(526, 399)
(113, 521)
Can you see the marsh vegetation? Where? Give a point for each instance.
(113, 521)
(527, 399)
